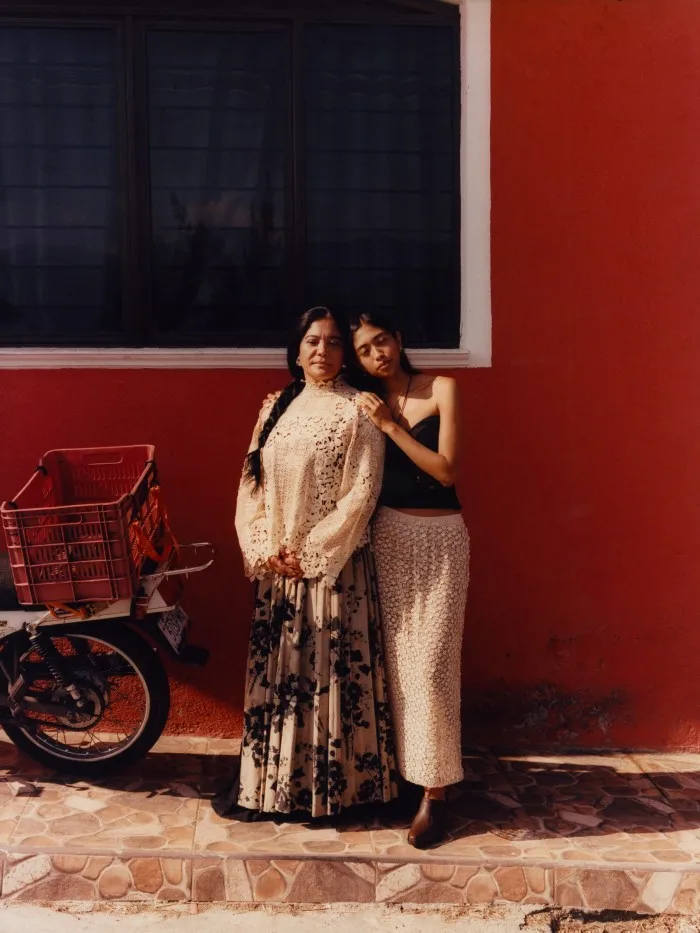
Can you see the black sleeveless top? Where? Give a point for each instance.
(406, 486)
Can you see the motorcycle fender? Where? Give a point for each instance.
(186, 654)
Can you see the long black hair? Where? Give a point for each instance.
(357, 375)
(253, 462)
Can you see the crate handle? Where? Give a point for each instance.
(70, 520)
(90, 462)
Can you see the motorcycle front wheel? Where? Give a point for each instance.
(127, 701)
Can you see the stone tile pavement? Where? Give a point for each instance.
(597, 832)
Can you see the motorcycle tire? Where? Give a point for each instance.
(149, 668)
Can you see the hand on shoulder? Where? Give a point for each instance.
(268, 404)
(375, 410)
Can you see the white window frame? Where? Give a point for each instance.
(475, 329)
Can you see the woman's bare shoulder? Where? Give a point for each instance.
(444, 385)
(430, 385)
(440, 389)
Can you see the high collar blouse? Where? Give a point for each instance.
(322, 470)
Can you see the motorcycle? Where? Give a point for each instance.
(83, 688)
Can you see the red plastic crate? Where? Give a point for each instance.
(76, 531)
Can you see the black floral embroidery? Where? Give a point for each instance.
(317, 729)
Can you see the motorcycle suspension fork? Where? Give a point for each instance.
(45, 648)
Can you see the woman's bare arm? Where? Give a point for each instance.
(443, 465)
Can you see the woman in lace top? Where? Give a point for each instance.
(317, 734)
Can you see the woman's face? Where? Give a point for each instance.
(321, 351)
(378, 352)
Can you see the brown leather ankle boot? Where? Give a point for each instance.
(429, 823)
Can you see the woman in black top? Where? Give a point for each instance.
(422, 552)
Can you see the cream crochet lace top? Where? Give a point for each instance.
(322, 471)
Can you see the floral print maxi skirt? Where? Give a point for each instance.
(317, 730)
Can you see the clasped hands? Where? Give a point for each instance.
(285, 564)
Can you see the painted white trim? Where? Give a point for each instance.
(475, 171)
(191, 358)
(476, 181)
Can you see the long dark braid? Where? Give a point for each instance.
(253, 462)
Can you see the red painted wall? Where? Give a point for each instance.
(581, 477)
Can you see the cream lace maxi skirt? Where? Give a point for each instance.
(423, 573)
(317, 730)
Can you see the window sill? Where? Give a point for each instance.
(197, 358)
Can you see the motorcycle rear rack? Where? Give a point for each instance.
(183, 571)
(148, 599)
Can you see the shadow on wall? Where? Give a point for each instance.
(543, 715)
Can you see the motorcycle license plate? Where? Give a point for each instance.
(174, 625)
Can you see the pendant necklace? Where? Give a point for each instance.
(395, 417)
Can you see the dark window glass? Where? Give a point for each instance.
(380, 174)
(219, 125)
(165, 182)
(58, 222)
